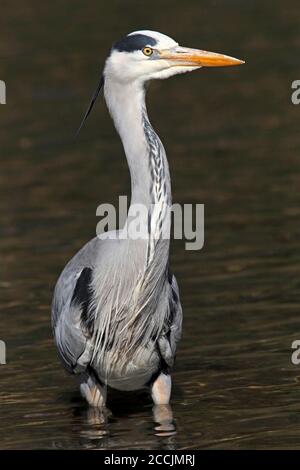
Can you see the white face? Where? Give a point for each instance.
(145, 55)
(134, 63)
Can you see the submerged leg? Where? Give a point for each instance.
(93, 392)
(161, 389)
(163, 419)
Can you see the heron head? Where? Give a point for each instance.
(145, 55)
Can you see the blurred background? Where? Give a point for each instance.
(233, 142)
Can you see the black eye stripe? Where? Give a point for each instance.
(134, 42)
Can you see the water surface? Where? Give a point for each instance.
(233, 143)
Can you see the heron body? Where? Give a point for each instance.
(116, 312)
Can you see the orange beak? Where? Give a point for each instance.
(185, 56)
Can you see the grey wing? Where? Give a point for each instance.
(169, 340)
(70, 310)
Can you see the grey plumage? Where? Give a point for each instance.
(116, 313)
(116, 306)
(134, 346)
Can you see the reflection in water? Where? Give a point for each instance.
(96, 428)
(236, 150)
(164, 422)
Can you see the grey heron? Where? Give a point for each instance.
(116, 313)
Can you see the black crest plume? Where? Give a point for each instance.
(92, 102)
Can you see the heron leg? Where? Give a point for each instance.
(164, 421)
(93, 392)
(161, 389)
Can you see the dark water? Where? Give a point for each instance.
(233, 142)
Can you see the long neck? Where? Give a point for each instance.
(149, 171)
(135, 315)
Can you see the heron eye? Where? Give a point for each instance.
(147, 51)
